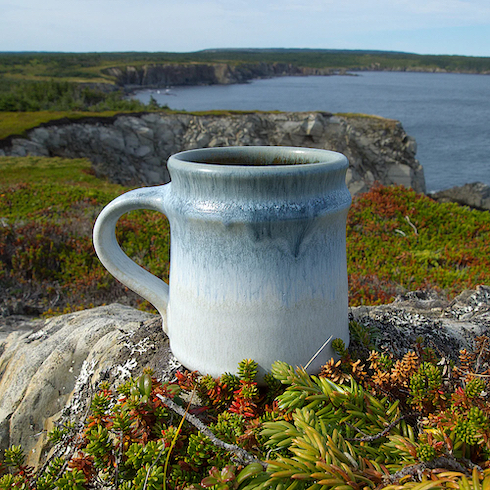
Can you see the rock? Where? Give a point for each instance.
(448, 326)
(48, 369)
(475, 195)
(133, 149)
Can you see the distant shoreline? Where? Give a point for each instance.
(176, 75)
(231, 65)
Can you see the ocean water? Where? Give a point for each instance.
(447, 114)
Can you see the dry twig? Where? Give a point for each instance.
(380, 434)
(445, 462)
(244, 457)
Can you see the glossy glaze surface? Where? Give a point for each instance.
(258, 265)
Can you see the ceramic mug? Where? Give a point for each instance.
(257, 259)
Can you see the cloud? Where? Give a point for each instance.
(398, 13)
(188, 25)
(457, 9)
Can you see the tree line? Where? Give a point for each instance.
(91, 65)
(52, 95)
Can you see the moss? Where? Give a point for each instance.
(42, 170)
(18, 123)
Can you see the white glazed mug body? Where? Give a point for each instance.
(258, 255)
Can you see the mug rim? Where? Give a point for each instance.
(313, 158)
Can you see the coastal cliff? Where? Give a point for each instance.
(132, 149)
(154, 75)
(169, 74)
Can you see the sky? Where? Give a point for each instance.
(460, 27)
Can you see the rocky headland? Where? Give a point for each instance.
(132, 149)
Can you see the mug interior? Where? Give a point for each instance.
(247, 156)
(259, 161)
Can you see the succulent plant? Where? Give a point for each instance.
(388, 423)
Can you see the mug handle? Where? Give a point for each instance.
(112, 256)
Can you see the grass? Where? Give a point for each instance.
(87, 77)
(364, 116)
(373, 119)
(44, 171)
(17, 123)
(397, 240)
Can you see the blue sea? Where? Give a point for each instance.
(448, 114)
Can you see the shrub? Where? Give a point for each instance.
(359, 433)
(397, 240)
(32, 96)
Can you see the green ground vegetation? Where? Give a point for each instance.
(27, 104)
(368, 421)
(397, 240)
(346, 59)
(364, 423)
(47, 210)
